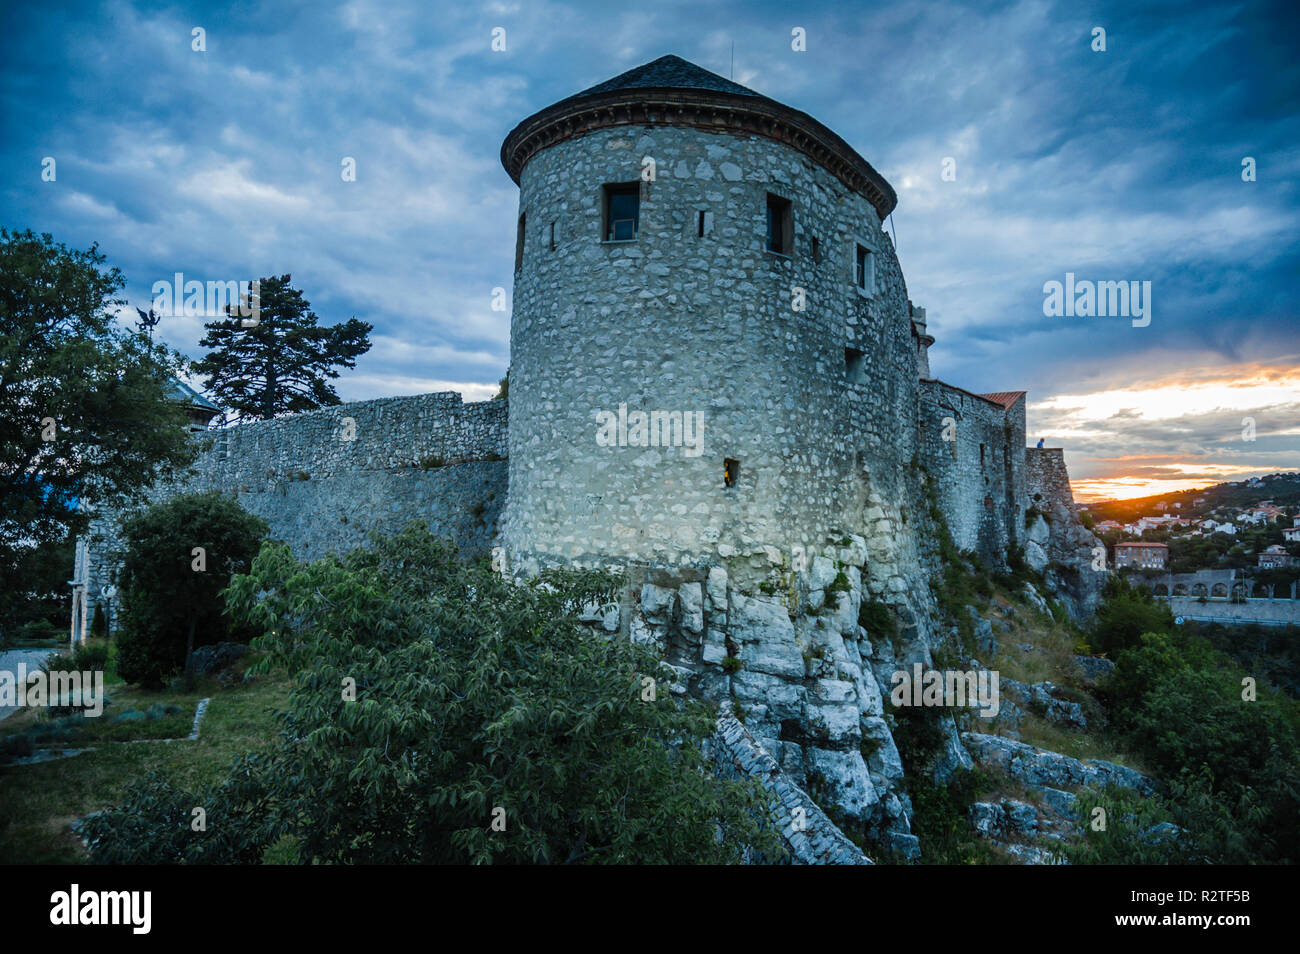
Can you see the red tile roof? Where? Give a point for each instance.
(1007, 399)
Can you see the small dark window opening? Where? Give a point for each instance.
(988, 503)
(700, 224)
(864, 271)
(519, 245)
(730, 471)
(622, 211)
(780, 225)
(816, 251)
(552, 236)
(981, 455)
(855, 365)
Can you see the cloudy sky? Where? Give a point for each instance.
(1122, 165)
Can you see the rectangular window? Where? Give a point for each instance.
(981, 455)
(730, 472)
(780, 225)
(552, 236)
(816, 251)
(622, 211)
(703, 223)
(855, 365)
(864, 270)
(519, 245)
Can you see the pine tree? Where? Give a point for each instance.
(283, 363)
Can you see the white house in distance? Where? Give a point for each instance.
(1292, 534)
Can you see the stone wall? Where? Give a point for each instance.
(1274, 612)
(972, 448)
(1046, 479)
(1056, 542)
(679, 322)
(324, 479)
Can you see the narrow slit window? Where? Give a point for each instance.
(855, 365)
(780, 225)
(864, 270)
(622, 211)
(519, 244)
(699, 227)
(552, 236)
(981, 455)
(730, 472)
(816, 251)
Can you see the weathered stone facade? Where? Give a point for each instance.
(323, 480)
(678, 322)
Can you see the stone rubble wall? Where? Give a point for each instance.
(430, 457)
(679, 322)
(1056, 543)
(979, 473)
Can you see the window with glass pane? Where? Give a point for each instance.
(622, 211)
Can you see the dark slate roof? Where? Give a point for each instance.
(667, 72)
(671, 90)
(182, 393)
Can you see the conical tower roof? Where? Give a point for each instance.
(675, 92)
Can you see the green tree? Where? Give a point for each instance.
(172, 596)
(1127, 612)
(434, 698)
(282, 364)
(1229, 757)
(84, 415)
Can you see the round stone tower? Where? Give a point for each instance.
(712, 353)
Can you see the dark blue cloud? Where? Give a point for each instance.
(1116, 165)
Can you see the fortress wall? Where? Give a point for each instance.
(974, 474)
(677, 322)
(430, 457)
(1046, 480)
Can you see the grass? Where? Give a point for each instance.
(39, 802)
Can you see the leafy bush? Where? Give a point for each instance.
(169, 607)
(1126, 612)
(476, 700)
(87, 658)
(1179, 703)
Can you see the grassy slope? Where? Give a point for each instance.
(39, 802)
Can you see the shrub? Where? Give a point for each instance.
(169, 606)
(474, 696)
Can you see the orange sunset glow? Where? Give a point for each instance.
(1179, 432)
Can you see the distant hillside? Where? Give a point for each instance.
(1283, 489)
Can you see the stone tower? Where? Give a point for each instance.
(694, 252)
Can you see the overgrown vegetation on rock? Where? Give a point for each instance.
(443, 714)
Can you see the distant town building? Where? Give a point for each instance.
(1162, 506)
(1274, 557)
(1106, 525)
(1142, 556)
(1291, 533)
